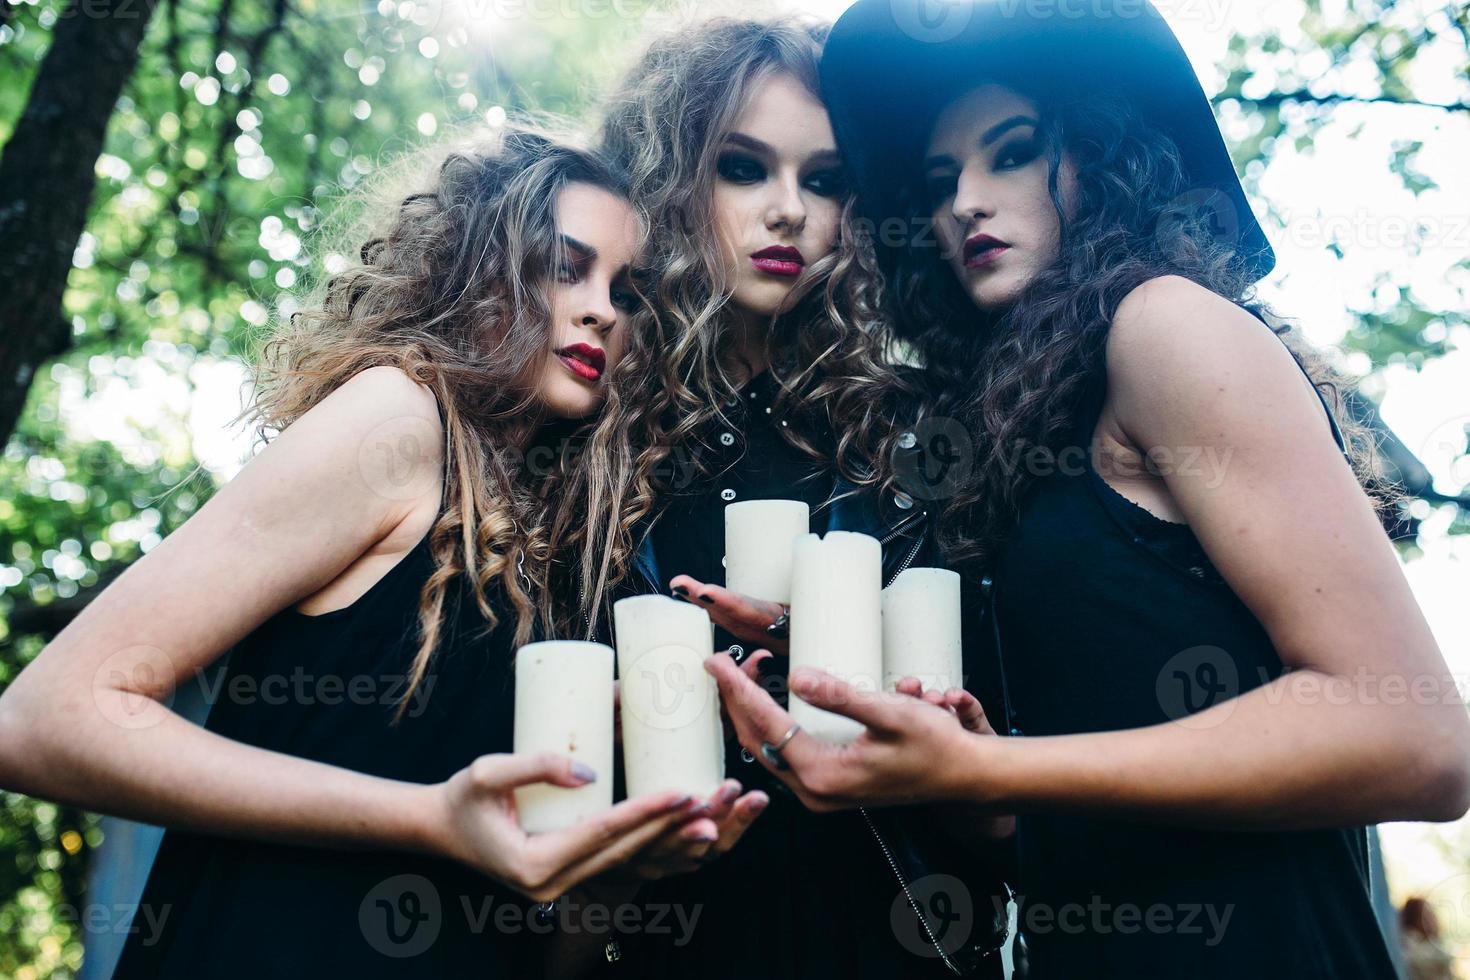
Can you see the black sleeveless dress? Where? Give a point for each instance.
(325, 688)
(1108, 617)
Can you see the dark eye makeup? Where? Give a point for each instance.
(624, 298)
(1017, 153)
(738, 168)
(1013, 155)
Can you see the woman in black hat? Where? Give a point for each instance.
(1211, 666)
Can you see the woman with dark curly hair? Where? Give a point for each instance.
(1209, 666)
(348, 808)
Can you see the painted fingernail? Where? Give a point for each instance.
(707, 600)
(730, 794)
(759, 803)
(707, 838)
(679, 592)
(584, 772)
(682, 801)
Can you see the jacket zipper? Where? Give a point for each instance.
(913, 552)
(913, 904)
(586, 617)
(893, 532)
(902, 526)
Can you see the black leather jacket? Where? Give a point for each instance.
(930, 866)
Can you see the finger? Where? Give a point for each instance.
(706, 827)
(611, 838)
(742, 815)
(758, 718)
(684, 848)
(506, 770)
(586, 836)
(741, 615)
(685, 587)
(751, 666)
(675, 843)
(681, 836)
(874, 709)
(723, 799)
(935, 698)
(911, 686)
(631, 848)
(968, 709)
(695, 839)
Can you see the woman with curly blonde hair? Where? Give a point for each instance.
(765, 375)
(348, 804)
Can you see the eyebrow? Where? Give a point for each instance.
(986, 138)
(578, 246)
(589, 254)
(760, 146)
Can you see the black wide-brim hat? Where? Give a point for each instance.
(890, 66)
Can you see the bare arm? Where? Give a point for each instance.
(1366, 726)
(84, 723)
(1341, 738)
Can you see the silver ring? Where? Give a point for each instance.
(772, 753)
(780, 628)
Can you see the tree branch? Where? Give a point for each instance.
(47, 179)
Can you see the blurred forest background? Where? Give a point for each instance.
(165, 163)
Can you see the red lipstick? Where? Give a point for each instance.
(779, 260)
(583, 360)
(981, 250)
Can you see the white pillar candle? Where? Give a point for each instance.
(564, 704)
(758, 539)
(672, 736)
(837, 621)
(921, 629)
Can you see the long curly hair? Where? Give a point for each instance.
(664, 127)
(1023, 379)
(458, 248)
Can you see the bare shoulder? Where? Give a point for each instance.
(384, 417)
(398, 440)
(374, 446)
(1172, 319)
(387, 392)
(1176, 347)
